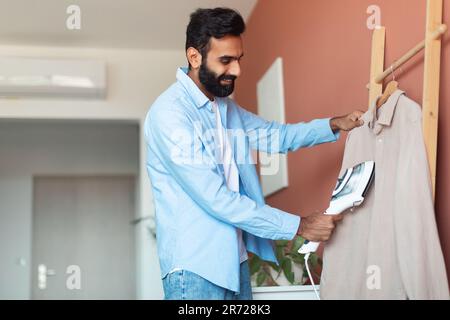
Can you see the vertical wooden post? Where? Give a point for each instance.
(377, 63)
(430, 103)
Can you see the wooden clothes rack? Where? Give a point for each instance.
(430, 107)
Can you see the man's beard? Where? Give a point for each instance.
(211, 82)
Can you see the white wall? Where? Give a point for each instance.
(51, 147)
(135, 79)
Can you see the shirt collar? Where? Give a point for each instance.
(194, 92)
(386, 113)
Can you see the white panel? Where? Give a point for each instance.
(304, 292)
(29, 77)
(270, 94)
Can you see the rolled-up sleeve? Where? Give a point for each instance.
(274, 137)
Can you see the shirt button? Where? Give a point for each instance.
(380, 140)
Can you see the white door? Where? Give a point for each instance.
(83, 241)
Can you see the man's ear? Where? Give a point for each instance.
(194, 57)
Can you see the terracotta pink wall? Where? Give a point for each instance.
(325, 46)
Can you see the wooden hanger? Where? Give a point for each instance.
(391, 87)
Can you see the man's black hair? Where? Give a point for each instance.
(207, 23)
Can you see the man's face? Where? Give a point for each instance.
(222, 65)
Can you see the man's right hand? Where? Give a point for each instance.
(318, 227)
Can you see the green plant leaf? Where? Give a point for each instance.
(255, 265)
(299, 259)
(305, 274)
(274, 266)
(283, 262)
(281, 243)
(291, 277)
(260, 278)
(279, 253)
(297, 244)
(287, 270)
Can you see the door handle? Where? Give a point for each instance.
(43, 273)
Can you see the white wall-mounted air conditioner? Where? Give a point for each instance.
(52, 78)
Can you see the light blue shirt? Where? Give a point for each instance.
(196, 214)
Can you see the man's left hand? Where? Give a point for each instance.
(348, 122)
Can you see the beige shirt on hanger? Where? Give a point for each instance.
(388, 248)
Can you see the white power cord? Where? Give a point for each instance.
(310, 277)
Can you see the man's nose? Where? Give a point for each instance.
(235, 69)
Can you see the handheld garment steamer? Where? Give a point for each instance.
(350, 191)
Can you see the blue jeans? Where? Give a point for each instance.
(186, 285)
